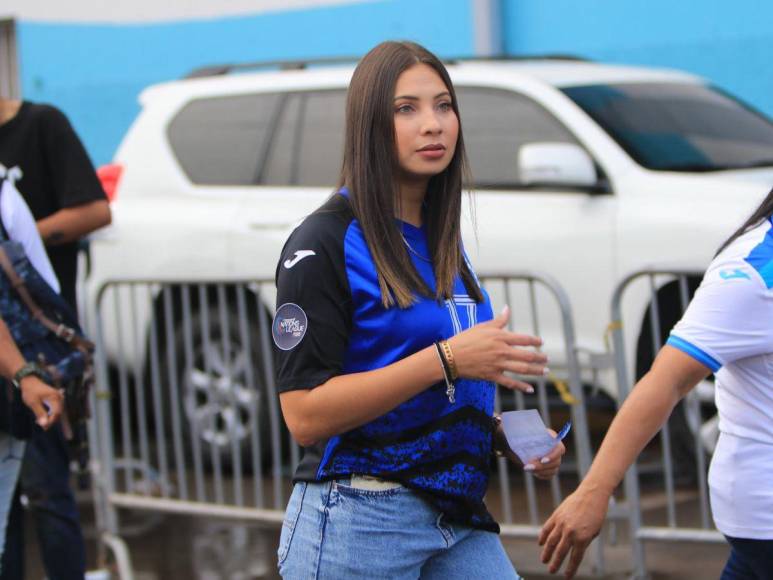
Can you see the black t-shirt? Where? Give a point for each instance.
(42, 155)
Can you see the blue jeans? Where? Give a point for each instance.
(11, 453)
(333, 531)
(45, 480)
(749, 560)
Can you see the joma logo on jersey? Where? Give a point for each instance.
(292, 326)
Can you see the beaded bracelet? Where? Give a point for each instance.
(449, 355)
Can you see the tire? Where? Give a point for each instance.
(684, 422)
(220, 409)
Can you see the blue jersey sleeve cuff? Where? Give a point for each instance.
(693, 351)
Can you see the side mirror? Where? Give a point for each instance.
(563, 164)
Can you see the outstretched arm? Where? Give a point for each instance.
(580, 516)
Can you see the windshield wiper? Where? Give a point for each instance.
(753, 164)
(688, 167)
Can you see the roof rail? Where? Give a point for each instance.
(517, 57)
(224, 69)
(227, 68)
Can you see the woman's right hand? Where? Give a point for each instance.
(46, 402)
(487, 350)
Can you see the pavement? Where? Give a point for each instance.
(188, 548)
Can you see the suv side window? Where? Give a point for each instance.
(496, 124)
(281, 161)
(220, 140)
(307, 148)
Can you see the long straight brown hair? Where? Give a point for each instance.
(370, 169)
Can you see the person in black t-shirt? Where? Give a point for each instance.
(41, 154)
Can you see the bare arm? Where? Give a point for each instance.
(579, 518)
(72, 223)
(34, 391)
(348, 401)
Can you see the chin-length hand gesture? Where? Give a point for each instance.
(488, 350)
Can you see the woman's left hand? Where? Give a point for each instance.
(547, 466)
(541, 467)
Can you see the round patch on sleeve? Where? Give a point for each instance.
(289, 326)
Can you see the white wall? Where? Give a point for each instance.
(123, 11)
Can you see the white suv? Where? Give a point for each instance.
(581, 170)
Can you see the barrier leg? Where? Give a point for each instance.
(121, 554)
(639, 571)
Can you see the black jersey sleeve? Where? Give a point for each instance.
(72, 172)
(313, 318)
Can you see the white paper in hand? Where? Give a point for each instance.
(527, 435)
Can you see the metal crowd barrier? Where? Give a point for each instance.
(186, 417)
(533, 296)
(529, 295)
(642, 531)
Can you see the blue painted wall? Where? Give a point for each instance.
(728, 42)
(95, 73)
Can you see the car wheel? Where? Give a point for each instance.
(223, 401)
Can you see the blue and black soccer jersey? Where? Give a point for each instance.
(330, 321)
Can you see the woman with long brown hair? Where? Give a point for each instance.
(388, 351)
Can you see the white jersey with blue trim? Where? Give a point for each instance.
(728, 327)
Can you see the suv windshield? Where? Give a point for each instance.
(679, 127)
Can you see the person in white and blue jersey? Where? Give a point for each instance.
(387, 351)
(727, 330)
